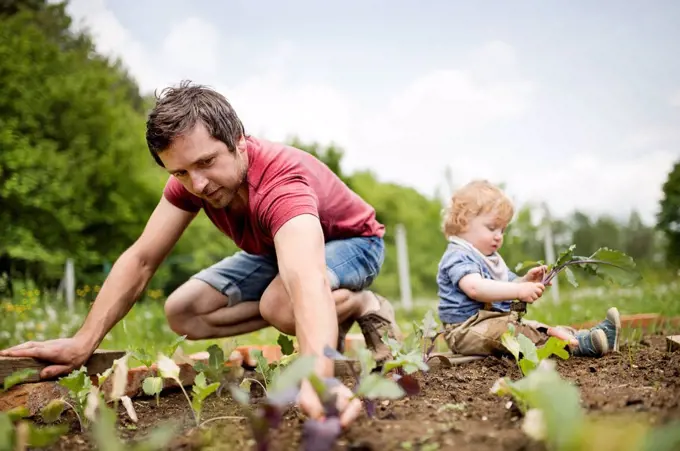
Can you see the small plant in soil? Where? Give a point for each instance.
(266, 414)
(371, 383)
(415, 352)
(199, 391)
(217, 368)
(153, 385)
(607, 264)
(525, 352)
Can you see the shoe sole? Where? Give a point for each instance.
(613, 315)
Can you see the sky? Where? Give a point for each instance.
(575, 104)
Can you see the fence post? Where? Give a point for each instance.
(550, 251)
(403, 266)
(69, 284)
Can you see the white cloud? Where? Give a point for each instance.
(675, 98)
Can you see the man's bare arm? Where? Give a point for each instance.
(132, 271)
(300, 252)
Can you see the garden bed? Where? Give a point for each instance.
(455, 409)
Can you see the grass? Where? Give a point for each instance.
(31, 317)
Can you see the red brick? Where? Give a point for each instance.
(272, 353)
(33, 395)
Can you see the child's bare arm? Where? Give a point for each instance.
(486, 290)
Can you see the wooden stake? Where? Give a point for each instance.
(99, 362)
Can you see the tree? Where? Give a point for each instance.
(75, 179)
(668, 219)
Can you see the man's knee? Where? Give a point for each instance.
(183, 307)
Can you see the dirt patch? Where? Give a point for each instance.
(454, 411)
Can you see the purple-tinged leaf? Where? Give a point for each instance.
(320, 435)
(408, 383)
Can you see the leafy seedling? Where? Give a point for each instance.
(370, 383)
(525, 352)
(607, 264)
(200, 390)
(153, 385)
(282, 391)
(217, 369)
(561, 417)
(78, 385)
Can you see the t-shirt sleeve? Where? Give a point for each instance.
(291, 197)
(460, 265)
(178, 196)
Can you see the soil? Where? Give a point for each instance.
(454, 411)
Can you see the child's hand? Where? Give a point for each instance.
(536, 274)
(530, 291)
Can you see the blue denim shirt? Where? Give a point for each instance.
(454, 305)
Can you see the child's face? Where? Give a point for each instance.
(485, 233)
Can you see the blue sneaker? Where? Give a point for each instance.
(591, 343)
(611, 326)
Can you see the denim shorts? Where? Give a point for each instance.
(351, 263)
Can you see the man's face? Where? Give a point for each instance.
(206, 167)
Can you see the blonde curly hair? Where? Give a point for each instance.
(476, 198)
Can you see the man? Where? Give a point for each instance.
(310, 246)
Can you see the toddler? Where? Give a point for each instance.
(476, 288)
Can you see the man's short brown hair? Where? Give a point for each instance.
(179, 109)
(476, 198)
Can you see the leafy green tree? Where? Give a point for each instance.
(668, 219)
(75, 180)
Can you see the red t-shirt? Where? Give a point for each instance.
(284, 182)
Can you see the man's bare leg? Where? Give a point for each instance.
(277, 309)
(199, 311)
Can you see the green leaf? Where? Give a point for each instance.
(53, 410)
(6, 433)
(375, 386)
(18, 413)
(240, 395)
(18, 377)
(152, 385)
(410, 363)
(554, 346)
(172, 347)
(200, 391)
(286, 344)
(216, 357)
(618, 267)
(570, 277)
(366, 361)
(564, 257)
(559, 401)
(41, 437)
(293, 374)
(74, 382)
(262, 366)
(527, 348)
(429, 326)
(510, 342)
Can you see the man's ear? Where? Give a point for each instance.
(242, 145)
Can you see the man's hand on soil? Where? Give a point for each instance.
(66, 354)
(349, 408)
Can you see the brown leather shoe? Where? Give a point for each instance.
(375, 325)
